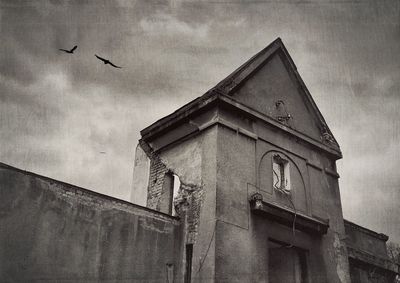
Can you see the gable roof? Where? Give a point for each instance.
(237, 78)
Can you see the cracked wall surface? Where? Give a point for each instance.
(184, 161)
(190, 155)
(156, 176)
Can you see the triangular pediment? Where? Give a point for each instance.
(270, 84)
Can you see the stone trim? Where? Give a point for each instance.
(368, 258)
(286, 217)
(374, 234)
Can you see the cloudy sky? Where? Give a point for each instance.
(58, 112)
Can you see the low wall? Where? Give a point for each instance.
(53, 231)
(368, 258)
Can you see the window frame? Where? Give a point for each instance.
(282, 177)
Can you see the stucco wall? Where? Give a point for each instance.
(141, 175)
(239, 157)
(189, 153)
(54, 232)
(194, 162)
(369, 260)
(366, 240)
(223, 164)
(272, 83)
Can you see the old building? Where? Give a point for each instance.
(239, 185)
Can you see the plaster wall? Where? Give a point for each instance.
(52, 231)
(271, 83)
(361, 273)
(193, 160)
(235, 170)
(367, 241)
(244, 236)
(141, 172)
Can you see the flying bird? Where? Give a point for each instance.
(107, 61)
(70, 51)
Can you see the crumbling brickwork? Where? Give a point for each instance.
(156, 177)
(189, 202)
(189, 199)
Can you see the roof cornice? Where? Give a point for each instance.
(201, 103)
(362, 229)
(223, 91)
(261, 116)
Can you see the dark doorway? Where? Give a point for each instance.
(189, 255)
(286, 263)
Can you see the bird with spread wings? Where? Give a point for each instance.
(107, 61)
(70, 51)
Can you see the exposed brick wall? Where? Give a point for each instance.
(194, 215)
(156, 176)
(189, 199)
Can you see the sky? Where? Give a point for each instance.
(73, 119)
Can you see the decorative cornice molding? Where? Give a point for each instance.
(367, 258)
(374, 234)
(286, 217)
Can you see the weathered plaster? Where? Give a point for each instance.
(141, 171)
(56, 232)
(342, 265)
(185, 161)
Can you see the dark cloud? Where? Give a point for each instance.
(58, 111)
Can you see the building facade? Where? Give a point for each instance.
(239, 185)
(258, 190)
